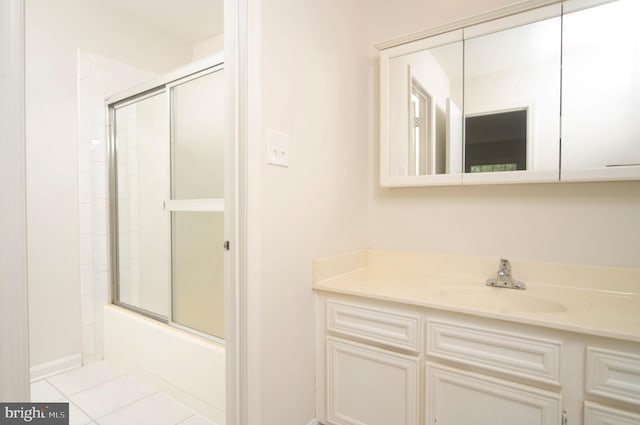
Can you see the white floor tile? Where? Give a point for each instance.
(197, 420)
(83, 378)
(100, 394)
(76, 415)
(110, 396)
(43, 391)
(157, 409)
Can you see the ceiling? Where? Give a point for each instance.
(187, 20)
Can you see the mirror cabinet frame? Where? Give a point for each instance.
(459, 31)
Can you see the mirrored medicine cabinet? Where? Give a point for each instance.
(547, 95)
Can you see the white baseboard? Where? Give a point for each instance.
(54, 367)
(314, 422)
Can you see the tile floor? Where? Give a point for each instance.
(101, 394)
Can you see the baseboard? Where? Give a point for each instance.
(54, 367)
(314, 422)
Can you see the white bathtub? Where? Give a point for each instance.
(187, 367)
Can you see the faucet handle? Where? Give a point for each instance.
(505, 267)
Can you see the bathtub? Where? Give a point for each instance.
(189, 368)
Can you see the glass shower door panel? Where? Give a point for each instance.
(198, 280)
(197, 109)
(143, 226)
(197, 202)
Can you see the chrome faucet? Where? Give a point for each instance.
(505, 280)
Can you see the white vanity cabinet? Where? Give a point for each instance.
(595, 414)
(382, 362)
(370, 386)
(454, 396)
(457, 396)
(376, 381)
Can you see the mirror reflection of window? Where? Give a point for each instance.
(420, 142)
(425, 100)
(511, 94)
(496, 142)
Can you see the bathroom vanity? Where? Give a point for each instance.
(411, 338)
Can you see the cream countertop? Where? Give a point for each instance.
(592, 300)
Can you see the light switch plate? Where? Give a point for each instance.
(277, 148)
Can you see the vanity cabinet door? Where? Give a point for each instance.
(455, 397)
(370, 386)
(595, 414)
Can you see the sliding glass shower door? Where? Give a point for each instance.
(197, 209)
(167, 197)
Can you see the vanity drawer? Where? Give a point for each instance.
(613, 374)
(400, 330)
(518, 355)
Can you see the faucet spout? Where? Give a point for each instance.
(504, 279)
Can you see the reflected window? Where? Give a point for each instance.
(496, 142)
(424, 121)
(511, 94)
(419, 132)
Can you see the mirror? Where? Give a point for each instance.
(601, 91)
(425, 109)
(511, 97)
(498, 120)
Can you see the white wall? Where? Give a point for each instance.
(314, 88)
(587, 223)
(54, 32)
(208, 47)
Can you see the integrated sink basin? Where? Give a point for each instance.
(499, 299)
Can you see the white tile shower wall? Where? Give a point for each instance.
(98, 77)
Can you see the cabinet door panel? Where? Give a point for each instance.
(455, 397)
(370, 386)
(594, 414)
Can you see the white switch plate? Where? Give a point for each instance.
(277, 148)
